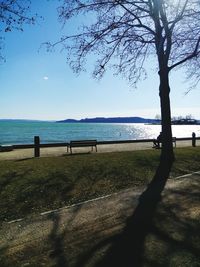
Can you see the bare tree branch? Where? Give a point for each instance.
(195, 53)
(164, 26)
(13, 15)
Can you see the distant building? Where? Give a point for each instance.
(185, 122)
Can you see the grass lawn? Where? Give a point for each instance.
(35, 185)
(28, 187)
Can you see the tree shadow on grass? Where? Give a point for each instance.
(23, 159)
(127, 247)
(172, 237)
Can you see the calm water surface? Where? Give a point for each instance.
(20, 132)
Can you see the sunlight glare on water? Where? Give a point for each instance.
(145, 131)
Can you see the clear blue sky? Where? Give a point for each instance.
(40, 85)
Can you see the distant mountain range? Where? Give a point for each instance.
(113, 120)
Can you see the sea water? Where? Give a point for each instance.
(23, 132)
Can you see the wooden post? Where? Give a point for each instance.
(193, 139)
(37, 146)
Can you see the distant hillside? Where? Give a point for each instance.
(112, 120)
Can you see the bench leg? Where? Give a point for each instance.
(156, 144)
(95, 148)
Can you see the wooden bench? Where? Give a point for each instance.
(82, 143)
(158, 144)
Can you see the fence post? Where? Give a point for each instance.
(36, 146)
(193, 139)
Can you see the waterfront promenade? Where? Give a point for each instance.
(17, 154)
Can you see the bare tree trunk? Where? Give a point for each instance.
(167, 153)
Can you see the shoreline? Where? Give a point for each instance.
(27, 153)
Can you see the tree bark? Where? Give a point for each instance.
(167, 154)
